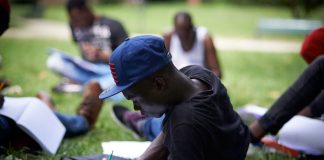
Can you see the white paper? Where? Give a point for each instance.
(304, 134)
(125, 149)
(37, 120)
(13, 108)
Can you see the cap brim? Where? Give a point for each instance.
(113, 91)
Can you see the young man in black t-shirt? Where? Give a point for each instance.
(97, 37)
(200, 122)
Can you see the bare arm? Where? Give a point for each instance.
(156, 151)
(167, 39)
(211, 58)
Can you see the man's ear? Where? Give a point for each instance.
(160, 83)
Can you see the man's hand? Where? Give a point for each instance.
(93, 53)
(156, 151)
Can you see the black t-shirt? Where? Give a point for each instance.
(205, 127)
(105, 33)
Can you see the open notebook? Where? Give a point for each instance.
(37, 120)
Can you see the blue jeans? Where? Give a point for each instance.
(81, 71)
(152, 127)
(75, 125)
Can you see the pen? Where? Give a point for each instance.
(111, 155)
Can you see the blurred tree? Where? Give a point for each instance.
(299, 8)
(302, 8)
(36, 10)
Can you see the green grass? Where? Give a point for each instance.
(249, 77)
(259, 77)
(221, 19)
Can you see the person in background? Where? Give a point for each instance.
(77, 124)
(199, 122)
(191, 45)
(304, 97)
(97, 37)
(4, 25)
(4, 16)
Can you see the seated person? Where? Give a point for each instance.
(4, 19)
(4, 16)
(75, 125)
(296, 138)
(189, 45)
(305, 96)
(199, 123)
(97, 37)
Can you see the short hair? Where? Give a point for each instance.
(183, 14)
(79, 4)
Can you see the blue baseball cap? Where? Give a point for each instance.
(135, 59)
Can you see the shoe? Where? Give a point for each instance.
(271, 144)
(12, 90)
(91, 104)
(250, 113)
(4, 84)
(45, 97)
(128, 119)
(67, 86)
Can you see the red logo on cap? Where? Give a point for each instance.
(113, 72)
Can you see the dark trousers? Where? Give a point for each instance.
(306, 91)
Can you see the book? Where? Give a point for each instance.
(37, 120)
(125, 149)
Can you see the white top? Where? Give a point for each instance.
(195, 56)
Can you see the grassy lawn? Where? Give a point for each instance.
(221, 19)
(249, 77)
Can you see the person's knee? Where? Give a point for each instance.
(318, 64)
(54, 62)
(319, 60)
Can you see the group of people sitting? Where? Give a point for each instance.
(175, 82)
